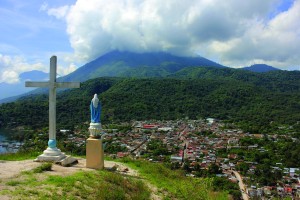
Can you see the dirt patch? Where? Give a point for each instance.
(10, 169)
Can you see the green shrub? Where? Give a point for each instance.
(13, 183)
(43, 167)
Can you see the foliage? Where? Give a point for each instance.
(113, 148)
(242, 168)
(44, 167)
(214, 169)
(221, 183)
(157, 148)
(282, 150)
(256, 102)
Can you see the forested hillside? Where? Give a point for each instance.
(256, 102)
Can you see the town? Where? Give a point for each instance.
(195, 145)
(203, 148)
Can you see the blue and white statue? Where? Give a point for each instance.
(95, 109)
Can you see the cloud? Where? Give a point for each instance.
(234, 32)
(12, 66)
(59, 12)
(44, 7)
(61, 71)
(275, 42)
(10, 77)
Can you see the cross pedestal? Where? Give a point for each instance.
(52, 153)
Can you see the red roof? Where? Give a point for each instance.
(121, 154)
(288, 189)
(150, 126)
(180, 153)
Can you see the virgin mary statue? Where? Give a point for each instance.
(95, 109)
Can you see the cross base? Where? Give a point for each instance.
(51, 155)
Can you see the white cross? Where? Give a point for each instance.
(52, 85)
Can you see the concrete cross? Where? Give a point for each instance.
(52, 85)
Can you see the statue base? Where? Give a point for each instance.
(95, 130)
(94, 154)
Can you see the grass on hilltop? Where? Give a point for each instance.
(81, 185)
(18, 156)
(173, 183)
(102, 184)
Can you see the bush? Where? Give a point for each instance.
(43, 167)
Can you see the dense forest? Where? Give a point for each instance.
(256, 102)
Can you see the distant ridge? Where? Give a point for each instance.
(34, 75)
(11, 92)
(260, 68)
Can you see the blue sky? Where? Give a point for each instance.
(28, 29)
(235, 33)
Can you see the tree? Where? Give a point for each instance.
(214, 169)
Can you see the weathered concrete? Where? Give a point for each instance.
(94, 154)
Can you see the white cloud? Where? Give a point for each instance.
(12, 66)
(44, 7)
(66, 70)
(275, 42)
(10, 77)
(236, 32)
(59, 12)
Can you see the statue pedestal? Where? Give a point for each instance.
(94, 154)
(95, 130)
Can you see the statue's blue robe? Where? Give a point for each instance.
(95, 113)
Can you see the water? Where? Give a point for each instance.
(7, 145)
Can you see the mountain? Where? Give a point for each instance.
(34, 75)
(275, 80)
(260, 68)
(113, 64)
(251, 100)
(9, 90)
(128, 64)
(138, 65)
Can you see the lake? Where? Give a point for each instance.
(7, 145)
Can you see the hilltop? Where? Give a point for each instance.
(260, 68)
(132, 180)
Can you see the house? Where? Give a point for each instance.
(293, 171)
(232, 156)
(150, 126)
(252, 146)
(165, 129)
(233, 141)
(122, 154)
(175, 158)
